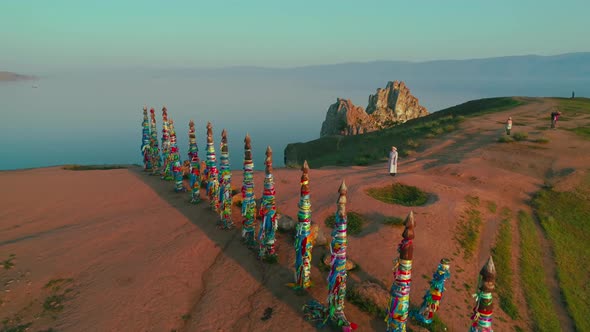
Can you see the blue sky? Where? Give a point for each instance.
(76, 33)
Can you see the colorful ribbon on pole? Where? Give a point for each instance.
(399, 299)
(248, 196)
(212, 172)
(195, 164)
(225, 196)
(303, 241)
(268, 212)
(434, 295)
(484, 307)
(145, 141)
(174, 161)
(166, 168)
(155, 158)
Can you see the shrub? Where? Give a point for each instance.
(541, 140)
(449, 128)
(412, 143)
(354, 222)
(521, 136)
(505, 139)
(399, 193)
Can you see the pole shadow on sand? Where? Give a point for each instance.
(273, 277)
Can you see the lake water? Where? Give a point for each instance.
(95, 118)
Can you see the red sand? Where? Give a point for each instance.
(140, 256)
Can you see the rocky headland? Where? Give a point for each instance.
(386, 108)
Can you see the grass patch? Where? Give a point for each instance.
(399, 193)
(185, 317)
(492, 207)
(505, 139)
(393, 221)
(54, 302)
(367, 306)
(584, 132)
(565, 217)
(533, 276)
(93, 167)
(355, 222)
(520, 136)
(540, 140)
(468, 227)
(502, 254)
(372, 147)
(8, 263)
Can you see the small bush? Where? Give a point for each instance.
(437, 131)
(399, 193)
(521, 136)
(430, 135)
(505, 139)
(449, 128)
(354, 222)
(541, 140)
(412, 143)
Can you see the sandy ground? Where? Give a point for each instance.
(135, 256)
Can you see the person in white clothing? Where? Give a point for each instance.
(393, 161)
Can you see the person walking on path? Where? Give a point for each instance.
(393, 161)
(508, 125)
(554, 117)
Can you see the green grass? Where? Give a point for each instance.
(363, 304)
(565, 217)
(533, 276)
(584, 132)
(93, 167)
(520, 136)
(505, 139)
(468, 227)
(502, 253)
(373, 147)
(393, 221)
(399, 193)
(354, 222)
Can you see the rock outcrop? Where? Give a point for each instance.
(387, 108)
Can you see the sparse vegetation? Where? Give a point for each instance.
(565, 218)
(541, 140)
(93, 167)
(492, 207)
(8, 263)
(367, 306)
(505, 139)
(520, 136)
(393, 221)
(354, 222)
(399, 193)
(468, 227)
(533, 276)
(502, 253)
(54, 303)
(372, 147)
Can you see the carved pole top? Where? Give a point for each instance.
(191, 124)
(268, 160)
(409, 224)
(488, 274)
(342, 199)
(164, 109)
(305, 167)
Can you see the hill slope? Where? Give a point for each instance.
(373, 147)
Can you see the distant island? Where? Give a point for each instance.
(6, 76)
